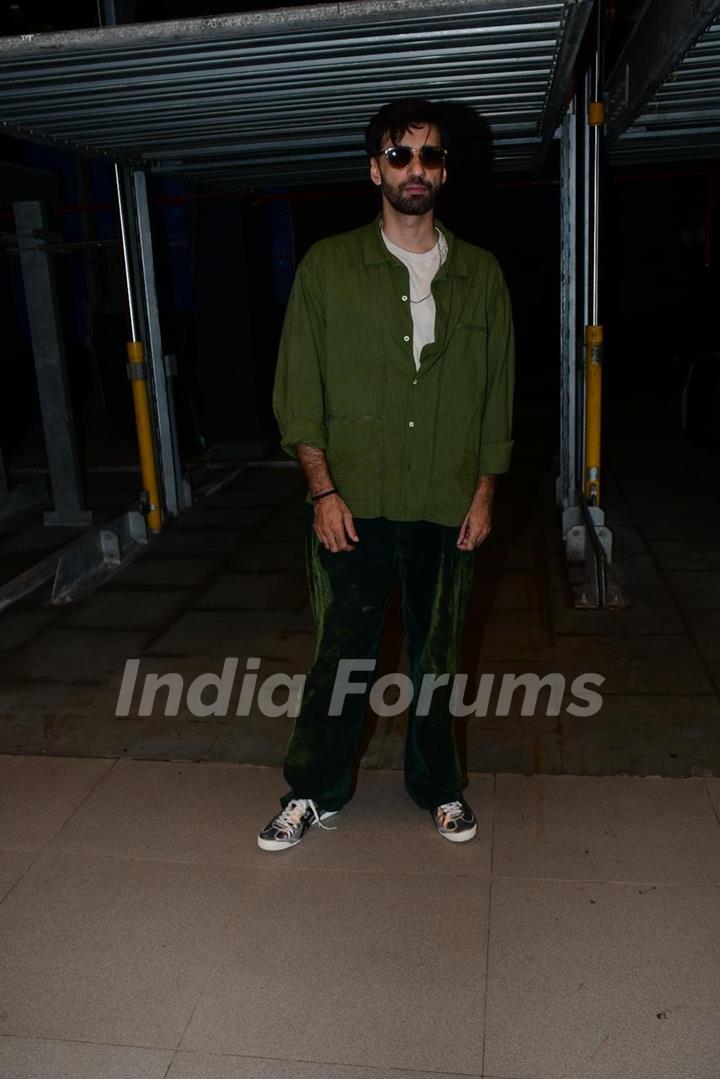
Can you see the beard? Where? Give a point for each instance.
(409, 204)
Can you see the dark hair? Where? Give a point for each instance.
(397, 117)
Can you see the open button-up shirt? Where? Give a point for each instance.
(404, 444)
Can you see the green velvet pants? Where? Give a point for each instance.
(349, 592)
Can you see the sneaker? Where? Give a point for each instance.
(455, 821)
(290, 825)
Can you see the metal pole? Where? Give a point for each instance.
(126, 252)
(159, 384)
(593, 328)
(50, 367)
(568, 479)
(137, 373)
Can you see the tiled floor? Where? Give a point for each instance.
(144, 935)
(228, 580)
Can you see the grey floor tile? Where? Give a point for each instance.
(644, 735)
(170, 739)
(713, 788)
(639, 572)
(705, 626)
(71, 734)
(130, 610)
(156, 571)
(303, 621)
(206, 517)
(24, 699)
(35, 1058)
(244, 499)
(382, 830)
(593, 980)
(634, 664)
(211, 813)
(73, 655)
(204, 1066)
(255, 739)
(650, 611)
(38, 794)
(513, 749)
(492, 744)
(502, 693)
(165, 684)
(696, 590)
(373, 744)
(199, 541)
(272, 555)
(695, 553)
(519, 590)
(262, 738)
(19, 626)
(627, 539)
(221, 633)
(516, 636)
(610, 828)
(106, 950)
(293, 649)
(388, 948)
(267, 591)
(155, 810)
(679, 526)
(13, 864)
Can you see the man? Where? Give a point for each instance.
(394, 391)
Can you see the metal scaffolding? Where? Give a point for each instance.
(663, 93)
(281, 96)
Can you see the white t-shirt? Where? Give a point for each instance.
(422, 267)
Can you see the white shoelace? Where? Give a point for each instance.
(294, 810)
(450, 811)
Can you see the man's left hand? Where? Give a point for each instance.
(476, 526)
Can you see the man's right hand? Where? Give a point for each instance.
(333, 524)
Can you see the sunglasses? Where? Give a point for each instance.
(432, 157)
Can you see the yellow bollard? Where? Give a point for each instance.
(138, 380)
(593, 411)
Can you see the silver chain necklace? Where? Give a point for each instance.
(439, 264)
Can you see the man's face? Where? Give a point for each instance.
(411, 190)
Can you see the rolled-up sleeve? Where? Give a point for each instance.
(496, 442)
(298, 399)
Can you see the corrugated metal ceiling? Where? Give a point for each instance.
(682, 120)
(281, 96)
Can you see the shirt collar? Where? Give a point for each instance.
(376, 252)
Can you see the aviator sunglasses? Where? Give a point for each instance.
(432, 157)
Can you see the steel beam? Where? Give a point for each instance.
(50, 368)
(667, 32)
(286, 19)
(559, 89)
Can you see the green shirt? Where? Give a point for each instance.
(403, 444)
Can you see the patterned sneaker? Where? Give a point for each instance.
(289, 826)
(455, 821)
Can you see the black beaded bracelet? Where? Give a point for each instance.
(316, 498)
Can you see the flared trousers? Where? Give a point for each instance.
(349, 592)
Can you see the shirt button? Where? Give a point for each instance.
(406, 338)
(411, 423)
(404, 298)
(414, 382)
